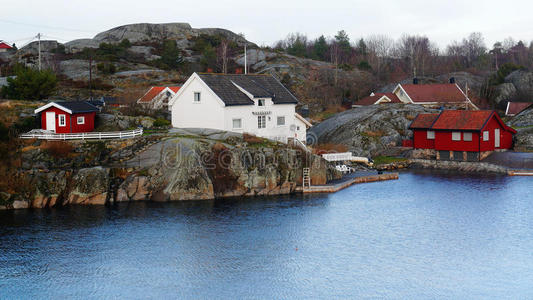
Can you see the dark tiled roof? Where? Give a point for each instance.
(260, 86)
(78, 106)
(443, 93)
(423, 121)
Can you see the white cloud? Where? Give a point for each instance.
(264, 22)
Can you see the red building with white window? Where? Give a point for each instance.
(461, 135)
(67, 117)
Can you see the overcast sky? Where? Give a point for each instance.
(265, 22)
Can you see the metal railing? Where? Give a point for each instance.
(83, 136)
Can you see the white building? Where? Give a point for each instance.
(255, 104)
(158, 96)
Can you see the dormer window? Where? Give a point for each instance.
(261, 102)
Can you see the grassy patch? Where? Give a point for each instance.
(380, 160)
(522, 127)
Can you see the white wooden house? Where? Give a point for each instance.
(255, 104)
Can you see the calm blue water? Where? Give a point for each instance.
(423, 236)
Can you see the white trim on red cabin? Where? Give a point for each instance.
(47, 106)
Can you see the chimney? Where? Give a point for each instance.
(415, 80)
(452, 80)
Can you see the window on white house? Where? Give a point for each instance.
(261, 121)
(281, 121)
(467, 136)
(430, 135)
(485, 136)
(456, 136)
(237, 123)
(62, 120)
(197, 97)
(81, 120)
(261, 102)
(297, 127)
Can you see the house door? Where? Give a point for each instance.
(497, 138)
(50, 121)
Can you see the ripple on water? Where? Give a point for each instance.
(424, 236)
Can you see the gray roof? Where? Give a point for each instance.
(260, 86)
(78, 106)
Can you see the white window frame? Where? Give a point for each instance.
(233, 123)
(278, 118)
(82, 118)
(467, 136)
(456, 136)
(486, 136)
(259, 101)
(199, 94)
(261, 122)
(430, 135)
(62, 122)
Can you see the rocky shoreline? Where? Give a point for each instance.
(182, 165)
(456, 166)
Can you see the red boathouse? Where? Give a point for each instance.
(67, 117)
(461, 134)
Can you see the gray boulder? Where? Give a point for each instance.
(253, 56)
(33, 47)
(76, 68)
(175, 31)
(78, 45)
(522, 81)
(504, 92)
(369, 130)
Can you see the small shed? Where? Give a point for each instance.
(67, 117)
(463, 131)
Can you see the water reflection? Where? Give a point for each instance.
(427, 235)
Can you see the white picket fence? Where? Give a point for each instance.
(47, 135)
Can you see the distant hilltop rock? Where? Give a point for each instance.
(33, 47)
(175, 31)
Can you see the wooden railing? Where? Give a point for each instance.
(83, 136)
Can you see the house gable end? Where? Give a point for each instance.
(193, 77)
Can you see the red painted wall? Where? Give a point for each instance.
(506, 137)
(420, 140)
(71, 124)
(443, 141)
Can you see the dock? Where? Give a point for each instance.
(344, 183)
(520, 172)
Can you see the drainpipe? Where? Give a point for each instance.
(70, 123)
(479, 146)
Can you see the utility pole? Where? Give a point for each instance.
(39, 37)
(90, 75)
(245, 61)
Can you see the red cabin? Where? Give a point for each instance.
(461, 131)
(67, 117)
